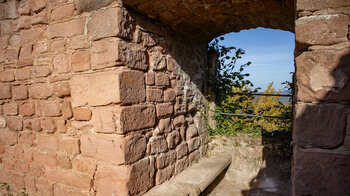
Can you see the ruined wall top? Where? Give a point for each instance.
(211, 18)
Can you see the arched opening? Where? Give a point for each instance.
(252, 116)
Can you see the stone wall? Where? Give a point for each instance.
(321, 163)
(96, 99)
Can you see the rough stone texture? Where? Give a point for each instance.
(90, 5)
(213, 18)
(322, 29)
(323, 76)
(312, 164)
(143, 114)
(108, 87)
(116, 23)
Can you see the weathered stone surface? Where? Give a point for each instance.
(143, 115)
(112, 148)
(66, 29)
(5, 91)
(27, 109)
(63, 12)
(141, 176)
(82, 114)
(90, 5)
(14, 123)
(201, 19)
(85, 165)
(164, 174)
(103, 119)
(81, 60)
(314, 5)
(20, 92)
(96, 89)
(157, 145)
(69, 145)
(68, 177)
(164, 125)
(323, 76)
(313, 128)
(61, 63)
(117, 22)
(40, 91)
(154, 94)
(164, 109)
(112, 52)
(321, 173)
(10, 108)
(322, 29)
(111, 180)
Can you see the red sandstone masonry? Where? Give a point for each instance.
(84, 109)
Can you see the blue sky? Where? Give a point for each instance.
(271, 54)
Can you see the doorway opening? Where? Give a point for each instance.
(252, 115)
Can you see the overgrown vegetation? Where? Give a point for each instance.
(233, 95)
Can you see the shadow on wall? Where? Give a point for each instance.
(321, 136)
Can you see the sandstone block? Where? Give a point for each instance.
(7, 76)
(173, 139)
(323, 76)
(157, 145)
(191, 132)
(45, 159)
(26, 55)
(95, 89)
(5, 91)
(4, 41)
(322, 29)
(81, 60)
(164, 109)
(84, 165)
(66, 29)
(2, 122)
(150, 78)
(179, 121)
(82, 114)
(181, 165)
(58, 45)
(8, 137)
(141, 176)
(321, 173)
(111, 180)
(41, 48)
(144, 115)
(61, 190)
(69, 145)
(67, 110)
(62, 89)
(69, 177)
(14, 123)
(27, 109)
(154, 94)
(26, 138)
(63, 12)
(23, 74)
(51, 109)
(20, 92)
(48, 142)
(32, 124)
(90, 5)
(112, 52)
(103, 119)
(37, 5)
(313, 128)
(164, 174)
(181, 150)
(61, 63)
(64, 161)
(117, 22)
(169, 95)
(157, 60)
(315, 5)
(40, 91)
(48, 125)
(32, 35)
(10, 108)
(193, 144)
(113, 148)
(164, 125)
(162, 79)
(41, 71)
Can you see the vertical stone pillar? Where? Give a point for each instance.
(321, 162)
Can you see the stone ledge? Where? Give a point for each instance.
(195, 179)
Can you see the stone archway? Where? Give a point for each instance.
(104, 97)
